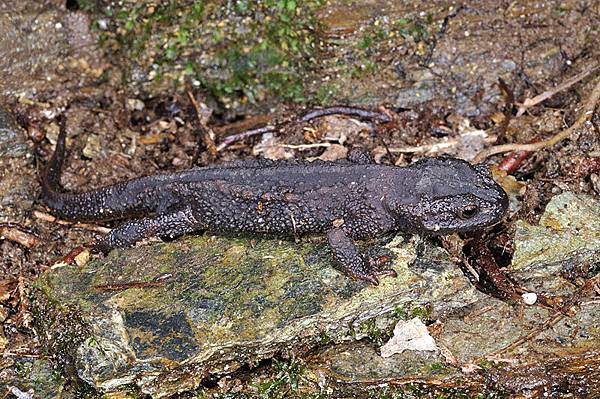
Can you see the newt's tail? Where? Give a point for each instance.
(105, 203)
(51, 175)
(66, 205)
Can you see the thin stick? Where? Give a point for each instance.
(243, 135)
(350, 111)
(530, 102)
(588, 110)
(302, 147)
(317, 113)
(18, 234)
(52, 219)
(436, 147)
(207, 134)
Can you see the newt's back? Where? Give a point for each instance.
(346, 200)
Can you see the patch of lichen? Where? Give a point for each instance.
(238, 52)
(268, 298)
(110, 271)
(61, 330)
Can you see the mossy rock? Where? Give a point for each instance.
(223, 302)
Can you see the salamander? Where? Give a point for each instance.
(348, 200)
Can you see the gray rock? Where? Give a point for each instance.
(18, 180)
(227, 302)
(34, 45)
(12, 138)
(479, 335)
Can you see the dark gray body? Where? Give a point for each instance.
(347, 200)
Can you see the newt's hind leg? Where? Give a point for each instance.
(348, 256)
(168, 225)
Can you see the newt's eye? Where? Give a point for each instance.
(468, 211)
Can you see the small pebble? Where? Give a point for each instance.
(83, 258)
(134, 104)
(529, 298)
(92, 147)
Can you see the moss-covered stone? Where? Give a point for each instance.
(493, 335)
(569, 228)
(224, 302)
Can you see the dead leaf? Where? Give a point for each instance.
(332, 153)
(409, 335)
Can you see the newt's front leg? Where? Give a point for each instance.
(348, 256)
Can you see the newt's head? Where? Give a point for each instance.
(450, 195)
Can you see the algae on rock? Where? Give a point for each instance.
(224, 302)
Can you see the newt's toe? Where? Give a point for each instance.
(372, 278)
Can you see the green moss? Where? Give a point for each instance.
(485, 364)
(400, 313)
(436, 366)
(87, 5)
(324, 339)
(63, 330)
(232, 395)
(380, 336)
(373, 332)
(238, 52)
(422, 312)
(125, 392)
(288, 381)
(326, 94)
(593, 270)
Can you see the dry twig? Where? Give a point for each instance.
(380, 116)
(52, 219)
(15, 233)
(349, 111)
(302, 147)
(207, 133)
(530, 102)
(442, 145)
(243, 135)
(587, 112)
